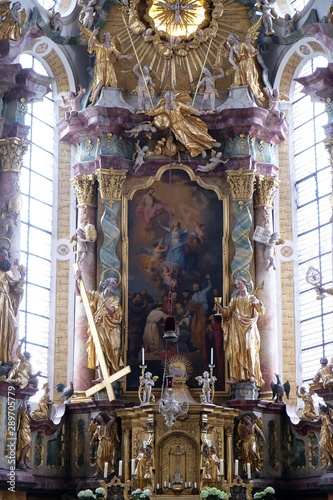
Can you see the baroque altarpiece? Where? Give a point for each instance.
(173, 153)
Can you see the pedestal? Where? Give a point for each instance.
(244, 390)
(239, 97)
(111, 97)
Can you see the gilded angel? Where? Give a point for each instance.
(12, 20)
(241, 57)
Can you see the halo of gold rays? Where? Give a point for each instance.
(227, 16)
(181, 362)
(189, 19)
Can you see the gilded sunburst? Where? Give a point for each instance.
(178, 18)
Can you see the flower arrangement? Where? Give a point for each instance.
(268, 493)
(213, 493)
(141, 494)
(89, 495)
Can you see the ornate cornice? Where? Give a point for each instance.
(110, 183)
(266, 187)
(242, 184)
(85, 190)
(12, 150)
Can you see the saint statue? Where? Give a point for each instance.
(12, 20)
(44, 404)
(23, 452)
(241, 334)
(107, 314)
(249, 429)
(106, 435)
(308, 411)
(326, 436)
(104, 75)
(11, 293)
(21, 374)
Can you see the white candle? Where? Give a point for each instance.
(105, 469)
(236, 467)
(248, 466)
(221, 467)
(143, 356)
(132, 466)
(120, 470)
(164, 484)
(209, 443)
(169, 486)
(195, 486)
(185, 484)
(211, 356)
(189, 484)
(144, 444)
(158, 486)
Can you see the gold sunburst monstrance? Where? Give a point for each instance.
(177, 17)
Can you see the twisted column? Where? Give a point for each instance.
(242, 186)
(85, 191)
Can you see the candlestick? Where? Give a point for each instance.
(105, 469)
(248, 466)
(120, 469)
(143, 357)
(236, 467)
(221, 467)
(211, 355)
(132, 466)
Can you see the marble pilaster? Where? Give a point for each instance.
(85, 187)
(266, 187)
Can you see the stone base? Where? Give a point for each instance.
(239, 97)
(111, 97)
(244, 390)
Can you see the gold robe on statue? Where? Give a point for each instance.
(242, 339)
(104, 70)
(105, 451)
(23, 433)
(247, 73)
(190, 130)
(108, 329)
(11, 292)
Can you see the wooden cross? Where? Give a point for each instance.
(108, 379)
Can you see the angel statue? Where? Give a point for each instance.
(81, 238)
(12, 20)
(274, 98)
(74, 101)
(207, 383)
(268, 13)
(146, 384)
(249, 430)
(104, 74)
(326, 436)
(145, 87)
(86, 17)
(214, 162)
(210, 91)
(187, 127)
(140, 156)
(241, 334)
(241, 57)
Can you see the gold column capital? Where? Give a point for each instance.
(242, 184)
(85, 190)
(110, 183)
(12, 150)
(266, 187)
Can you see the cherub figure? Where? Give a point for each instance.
(290, 24)
(74, 101)
(146, 384)
(269, 248)
(274, 98)
(12, 20)
(212, 164)
(140, 155)
(81, 238)
(146, 127)
(21, 374)
(207, 383)
(56, 23)
(210, 92)
(87, 13)
(144, 89)
(268, 13)
(308, 411)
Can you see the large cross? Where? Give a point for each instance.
(108, 379)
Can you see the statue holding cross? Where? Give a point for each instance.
(104, 315)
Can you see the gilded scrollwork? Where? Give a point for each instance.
(85, 190)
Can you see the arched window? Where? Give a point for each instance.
(298, 4)
(36, 184)
(314, 229)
